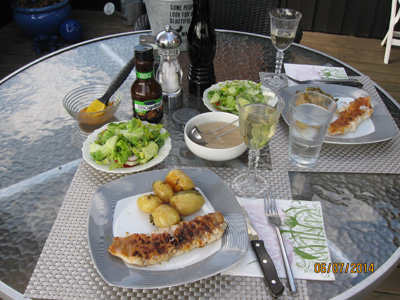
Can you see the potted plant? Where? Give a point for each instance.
(40, 17)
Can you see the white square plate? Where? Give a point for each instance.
(234, 243)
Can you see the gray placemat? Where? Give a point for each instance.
(382, 157)
(65, 269)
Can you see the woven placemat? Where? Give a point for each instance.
(382, 157)
(65, 269)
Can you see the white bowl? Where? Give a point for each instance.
(210, 153)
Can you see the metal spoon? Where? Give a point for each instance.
(196, 135)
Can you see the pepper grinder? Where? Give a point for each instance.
(169, 73)
(201, 42)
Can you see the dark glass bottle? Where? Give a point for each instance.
(146, 92)
(201, 41)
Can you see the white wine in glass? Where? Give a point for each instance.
(282, 38)
(284, 23)
(255, 127)
(258, 118)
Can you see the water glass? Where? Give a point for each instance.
(310, 116)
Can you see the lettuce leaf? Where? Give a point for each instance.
(120, 141)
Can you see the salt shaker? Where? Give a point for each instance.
(169, 73)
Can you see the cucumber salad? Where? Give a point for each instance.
(222, 96)
(127, 144)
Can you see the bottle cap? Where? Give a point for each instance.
(183, 115)
(144, 52)
(168, 39)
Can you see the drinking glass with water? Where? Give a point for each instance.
(310, 116)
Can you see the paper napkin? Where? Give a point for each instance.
(304, 236)
(309, 72)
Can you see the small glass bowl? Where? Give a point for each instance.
(78, 99)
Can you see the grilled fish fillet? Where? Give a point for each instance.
(164, 243)
(350, 116)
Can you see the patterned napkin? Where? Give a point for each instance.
(304, 236)
(308, 72)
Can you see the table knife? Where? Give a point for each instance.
(346, 82)
(272, 280)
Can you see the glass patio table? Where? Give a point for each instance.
(42, 170)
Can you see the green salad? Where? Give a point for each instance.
(127, 144)
(224, 98)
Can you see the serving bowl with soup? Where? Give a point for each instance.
(227, 147)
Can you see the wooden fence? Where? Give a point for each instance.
(364, 18)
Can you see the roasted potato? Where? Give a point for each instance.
(179, 181)
(148, 203)
(165, 215)
(187, 202)
(163, 190)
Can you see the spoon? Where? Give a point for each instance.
(196, 135)
(102, 103)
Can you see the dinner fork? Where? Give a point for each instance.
(346, 82)
(271, 212)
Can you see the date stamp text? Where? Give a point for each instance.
(352, 268)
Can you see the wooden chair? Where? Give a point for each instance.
(392, 37)
(240, 15)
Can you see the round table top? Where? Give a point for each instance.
(41, 150)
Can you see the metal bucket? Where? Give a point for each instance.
(176, 13)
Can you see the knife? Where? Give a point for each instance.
(346, 82)
(272, 280)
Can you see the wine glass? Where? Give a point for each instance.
(284, 23)
(259, 113)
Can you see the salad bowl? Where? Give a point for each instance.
(163, 152)
(222, 95)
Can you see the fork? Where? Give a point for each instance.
(346, 82)
(271, 212)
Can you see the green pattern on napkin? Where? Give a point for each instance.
(303, 226)
(333, 73)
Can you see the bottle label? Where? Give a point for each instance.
(143, 107)
(144, 75)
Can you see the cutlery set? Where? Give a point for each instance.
(272, 280)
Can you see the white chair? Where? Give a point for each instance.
(392, 37)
